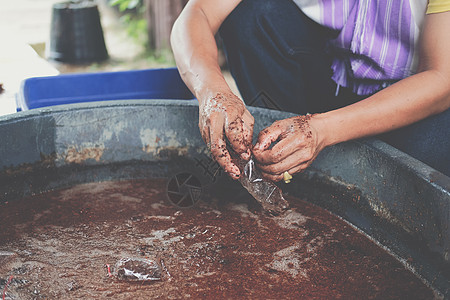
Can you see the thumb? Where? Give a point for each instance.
(266, 137)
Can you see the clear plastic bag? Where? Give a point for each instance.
(264, 191)
(137, 269)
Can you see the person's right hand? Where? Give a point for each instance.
(226, 113)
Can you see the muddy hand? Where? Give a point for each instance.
(296, 145)
(222, 117)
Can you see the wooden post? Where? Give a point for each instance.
(161, 14)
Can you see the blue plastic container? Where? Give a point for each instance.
(88, 87)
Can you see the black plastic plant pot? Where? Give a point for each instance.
(76, 34)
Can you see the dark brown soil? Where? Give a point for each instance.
(57, 246)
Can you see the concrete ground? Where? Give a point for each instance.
(25, 33)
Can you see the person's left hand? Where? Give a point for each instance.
(297, 145)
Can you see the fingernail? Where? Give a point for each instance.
(245, 156)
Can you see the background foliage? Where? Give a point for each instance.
(133, 17)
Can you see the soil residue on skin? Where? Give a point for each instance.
(226, 104)
(59, 244)
(299, 124)
(296, 125)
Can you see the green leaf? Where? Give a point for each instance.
(133, 4)
(124, 5)
(115, 2)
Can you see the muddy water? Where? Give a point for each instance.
(57, 246)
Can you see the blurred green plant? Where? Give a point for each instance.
(133, 17)
(124, 5)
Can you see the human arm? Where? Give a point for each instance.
(220, 111)
(405, 102)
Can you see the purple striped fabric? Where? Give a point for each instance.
(376, 41)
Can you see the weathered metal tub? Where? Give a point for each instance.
(400, 202)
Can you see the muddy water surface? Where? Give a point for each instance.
(58, 245)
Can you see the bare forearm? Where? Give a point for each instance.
(222, 115)
(196, 53)
(401, 104)
(408, 101)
